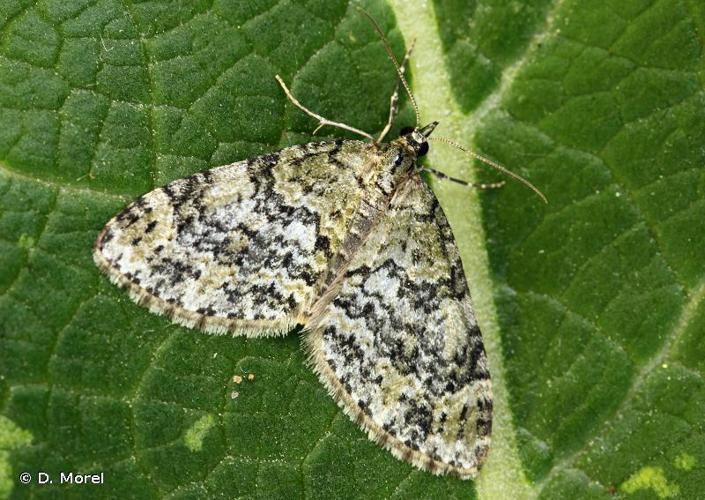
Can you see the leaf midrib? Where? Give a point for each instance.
(503, 475)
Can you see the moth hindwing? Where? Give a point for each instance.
(346, 239)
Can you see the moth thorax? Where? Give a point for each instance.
(401, 157)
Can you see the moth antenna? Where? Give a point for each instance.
(394, 99)
(492, 164)
(392, 58)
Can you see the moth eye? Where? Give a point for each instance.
(423, 149)
(406, 131)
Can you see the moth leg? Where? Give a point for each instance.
(321, 121)
(488, 185)
(394, 100)
(478, 185)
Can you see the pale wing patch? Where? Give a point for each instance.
(240, 248)
(399, 347)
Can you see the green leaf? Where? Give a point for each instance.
(591, 307)
(599, 296)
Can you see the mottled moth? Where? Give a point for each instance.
(344, 238)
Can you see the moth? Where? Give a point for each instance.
(344, 238)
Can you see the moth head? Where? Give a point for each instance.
(417, 137)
